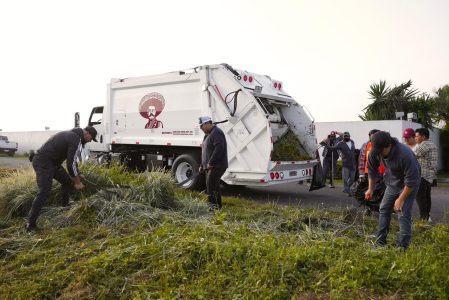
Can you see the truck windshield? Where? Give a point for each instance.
(96, 116)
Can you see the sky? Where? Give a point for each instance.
(56, 57)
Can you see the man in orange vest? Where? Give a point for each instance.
(363, 156)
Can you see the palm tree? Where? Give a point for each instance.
(387, 101)
(441, 105)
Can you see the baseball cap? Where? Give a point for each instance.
(408, 133)
(333, 133)
(346, 134)
(204, 119)
(92, 131)
(373, 131)
(380, 140)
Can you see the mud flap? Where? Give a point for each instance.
(318, 180)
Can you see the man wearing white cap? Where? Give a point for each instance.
(214, 159)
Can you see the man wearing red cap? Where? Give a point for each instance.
(409, 138)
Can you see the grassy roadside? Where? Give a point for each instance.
(152, 241)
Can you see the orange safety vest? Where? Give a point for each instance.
(368, 149)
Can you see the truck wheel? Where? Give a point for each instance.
(186, 166)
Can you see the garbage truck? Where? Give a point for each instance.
(152, 122)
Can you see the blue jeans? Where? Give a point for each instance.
(404, 217)
(348, 179)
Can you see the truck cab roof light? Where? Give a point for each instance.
(250, 79)
(275, 85)
(245, 78)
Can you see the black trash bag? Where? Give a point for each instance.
(318, 180)
(359, 189)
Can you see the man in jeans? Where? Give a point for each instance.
(427, 154)
(214, 160)
(402, 178)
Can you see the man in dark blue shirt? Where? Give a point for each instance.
(402, 178)
(214, 159)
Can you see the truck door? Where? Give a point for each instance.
(96, 120)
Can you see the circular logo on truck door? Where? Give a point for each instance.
(150, 107)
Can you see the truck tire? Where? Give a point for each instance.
(186, 166)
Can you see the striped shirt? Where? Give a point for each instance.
(427, 155)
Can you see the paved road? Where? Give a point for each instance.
(12, 162)
(298, 195)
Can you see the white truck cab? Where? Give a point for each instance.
(152, 121)
(7, 146)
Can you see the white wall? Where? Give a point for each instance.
(29, 140)
(359, 131)
(32, 140)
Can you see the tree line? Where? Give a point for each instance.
(432, 109)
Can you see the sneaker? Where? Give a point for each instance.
(429, 220)
(331, 186)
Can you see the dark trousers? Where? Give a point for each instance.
(423, 199)
(213, 187)
(329, 165)
(45, 172)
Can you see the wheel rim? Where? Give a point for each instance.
(183, 172)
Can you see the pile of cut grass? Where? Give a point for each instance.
(113, 243)
(288, 148)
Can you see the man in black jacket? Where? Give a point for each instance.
(65, 145)
(214, 159)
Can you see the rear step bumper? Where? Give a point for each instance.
(279, 172)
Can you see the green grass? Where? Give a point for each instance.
(148, 240)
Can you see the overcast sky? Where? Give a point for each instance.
(56, 57)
